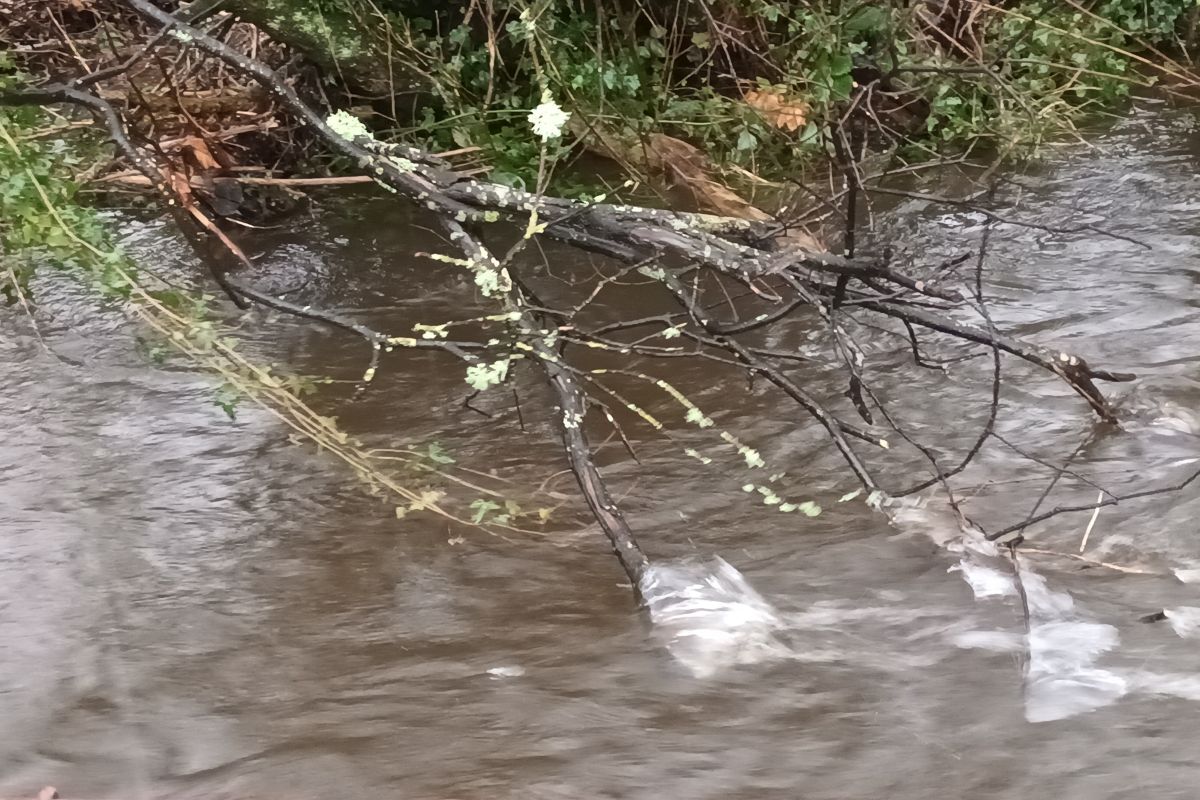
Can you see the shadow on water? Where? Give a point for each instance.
(194, 606)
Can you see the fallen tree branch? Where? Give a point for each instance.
(572, 408)
(128, 179)
(741, 248)
(777, 279)
(1108, 501)
(1073, 369)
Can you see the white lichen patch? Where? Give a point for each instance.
(492, 280)
(753, 459)
(461, 262)
(483, 376)
(347, 125)
(769, 496)
(649, 418)
(809, 509)
(431, 331)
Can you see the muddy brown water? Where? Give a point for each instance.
(193, 606)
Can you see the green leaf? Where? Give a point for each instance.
(227, 399)
(435, 453)
(58, 238)
(482, 508)
(868, 19)
(840, 64)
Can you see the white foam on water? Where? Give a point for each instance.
(710, 617)
(1184, 620)
(1044, 603)
(1189, 574)
(995, 641)
(1063, 649)
(507, 671)
(1183, 686)
(985, 581)
(1176, 418)
(1062, 679)
(1063, 675)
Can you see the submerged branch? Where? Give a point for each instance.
(769, 273)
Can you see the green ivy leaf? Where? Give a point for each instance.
(435, 453)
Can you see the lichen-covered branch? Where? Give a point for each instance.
(735, 280)
(572, 403)
(736, 247)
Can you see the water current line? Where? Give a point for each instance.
(117, 614)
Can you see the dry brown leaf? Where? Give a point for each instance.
(688, 167)
(783, 112)
(197, 152)
(665, 152)
(801, 239)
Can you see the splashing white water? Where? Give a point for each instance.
(1063, 674)
(1184, 620)
(1061, 677)
(1063, 648)
(710, 619)
(709, 616)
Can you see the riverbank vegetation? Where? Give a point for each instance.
(745, 138)
(718, 99)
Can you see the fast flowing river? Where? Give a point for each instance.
(193, 606)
